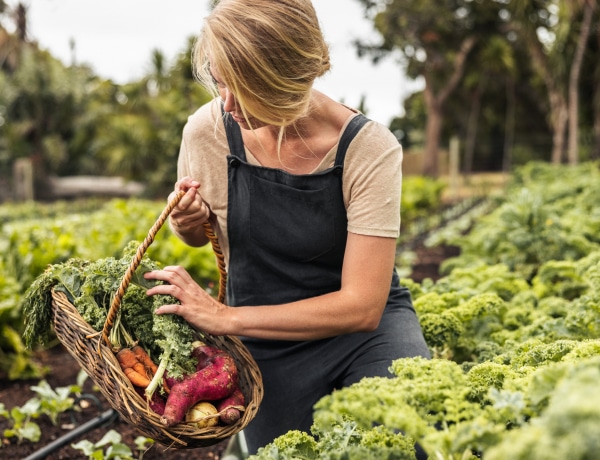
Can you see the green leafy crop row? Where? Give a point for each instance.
(514, 330)
(36, 236)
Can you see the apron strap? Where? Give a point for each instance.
(351, 130)
(234, 136)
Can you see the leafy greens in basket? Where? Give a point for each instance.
(90, 288)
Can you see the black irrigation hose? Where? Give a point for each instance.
(106, 416)
(85, 397)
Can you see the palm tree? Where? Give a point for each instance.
(158, 78)
(20, 18)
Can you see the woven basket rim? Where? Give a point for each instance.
(99, 362)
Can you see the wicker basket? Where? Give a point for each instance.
(94, 354)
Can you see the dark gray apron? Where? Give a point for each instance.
(287, 236)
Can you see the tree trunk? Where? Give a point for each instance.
(473, 124)
(595, 153)
(559, 115)
(509, 124)
(433, 129)
(588, 11)
(556, 97)
(435, 103)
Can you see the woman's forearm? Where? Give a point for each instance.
(309, 319)
(195, 237)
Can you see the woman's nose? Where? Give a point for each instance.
(229, 102)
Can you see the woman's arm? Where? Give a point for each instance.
(356, 307)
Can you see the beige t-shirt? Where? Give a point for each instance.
(371, 180)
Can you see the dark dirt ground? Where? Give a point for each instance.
(64, 370)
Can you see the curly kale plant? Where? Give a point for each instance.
(90, 287)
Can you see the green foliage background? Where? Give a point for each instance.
(513, 325)
(34, 236)
(514, 329)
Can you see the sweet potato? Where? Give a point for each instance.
(231, 407)
(156, 403)
(203, 353)
(215, 381)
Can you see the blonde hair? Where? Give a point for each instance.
(268, 54)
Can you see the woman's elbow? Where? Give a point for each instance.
(371, 318)
(372, 325)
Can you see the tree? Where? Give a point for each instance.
(434, 39)
(140, 138)
(555, 34)
(157, 79)
(493, 61)
(588, 7)
(595, 84)
(42, 101)
(70, 122)
(12, 44)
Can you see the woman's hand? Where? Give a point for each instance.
(197, 307)
(189, 215)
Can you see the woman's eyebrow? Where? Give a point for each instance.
(214, 79)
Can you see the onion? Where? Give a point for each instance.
(203, 414)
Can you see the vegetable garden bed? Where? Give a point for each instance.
(63, 372)
(513, 322)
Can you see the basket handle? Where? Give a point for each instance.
(141, 250)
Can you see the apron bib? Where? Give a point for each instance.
(292, 228)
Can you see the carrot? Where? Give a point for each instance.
(136, 365)
(137, 379)
(215, 381)
(231, 407)
(144, 358)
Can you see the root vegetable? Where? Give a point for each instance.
(203, 354)
(203, 414)
(215, 381)
(231, 407)
(144, 358)
(136, 365)
(156, 403)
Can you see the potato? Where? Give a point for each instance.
(204, 414)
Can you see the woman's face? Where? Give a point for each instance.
(230, 103)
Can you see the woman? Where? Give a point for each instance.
(304, 194)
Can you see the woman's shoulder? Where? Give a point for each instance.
(205, 120)
(374, 142)
(376, 135)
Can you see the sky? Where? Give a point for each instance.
(116, 38)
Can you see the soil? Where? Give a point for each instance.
(63, 370)
(63, 373)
